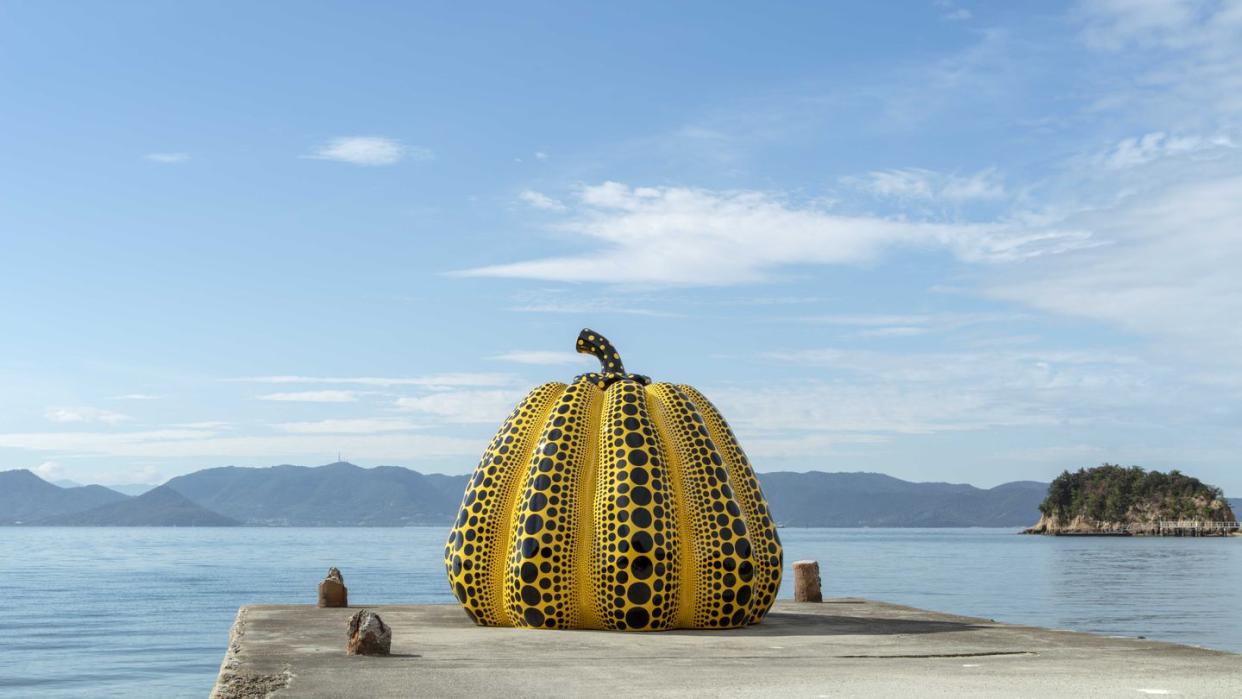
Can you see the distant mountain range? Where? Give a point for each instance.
(161, 507)
(24, 497)
(339, 494)
(819, 499)
(342, 494)
(126, 488)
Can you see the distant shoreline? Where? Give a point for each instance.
(346, 495)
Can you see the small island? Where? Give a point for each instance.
(1112, 500)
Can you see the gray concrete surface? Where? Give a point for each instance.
(842, 647)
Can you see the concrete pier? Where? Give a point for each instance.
(843, 647)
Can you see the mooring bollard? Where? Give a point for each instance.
(332, 590)
(806, 582)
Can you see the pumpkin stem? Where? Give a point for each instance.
(592, 343)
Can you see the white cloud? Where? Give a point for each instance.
(808, 449)
(464, 406)
(85, 414)
(858, 397)
(314, 396)
(171, 444)
(431, 380)
(540, 155)
(1026, 370)
(1172, 272)
(541, 201)
(98, 442)
(1180, 60)
(547, 357)
(683, 236)
(167, 158)
(351, 426)
(50, 470)
(368, 150)
(928, 185)
(1114, 24)
(893, 331)
(556, 301)
(952, 11)
(872, 319)
(903, 325)
(1132, 152)
(872, 408)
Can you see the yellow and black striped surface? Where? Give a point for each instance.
(614, 503)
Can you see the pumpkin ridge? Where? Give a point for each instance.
(637, 548)
(584, 572)
(719, 530)
(475, 554)
(767, 561)
(688, 585)
(544, 517)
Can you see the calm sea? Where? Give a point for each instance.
(146, 612)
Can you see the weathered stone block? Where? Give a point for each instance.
(368, 634)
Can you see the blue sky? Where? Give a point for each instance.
(941, 240)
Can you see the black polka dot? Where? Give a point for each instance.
(641, 567)
(743, 548)
(640, 495)
(638, 593)
(641, 517)
(530, 595)
(641, 542)
(533, 524)
(530, 547)
(529, 572)
(637, 618)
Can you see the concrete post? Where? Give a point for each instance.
(806, 582)
(332, 591)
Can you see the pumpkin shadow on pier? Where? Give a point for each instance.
(794, 624)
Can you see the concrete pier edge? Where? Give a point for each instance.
(842, 647)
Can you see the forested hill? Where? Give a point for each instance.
(1107, 496)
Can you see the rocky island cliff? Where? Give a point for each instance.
(1112, 499)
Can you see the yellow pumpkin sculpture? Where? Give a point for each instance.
(614, 503)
